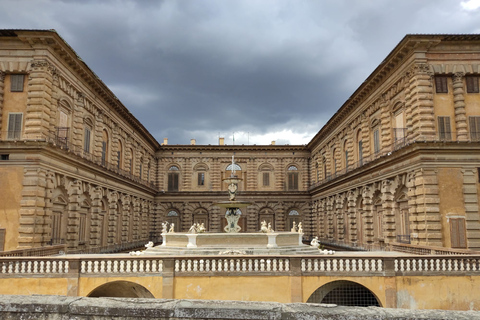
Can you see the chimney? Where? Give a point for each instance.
(221, 141)
(165, 141)
(273, 142)
(193, 142)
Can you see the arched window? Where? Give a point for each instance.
(292, 175)
(293, 216)
(173, 173)
(64, 123)
(235, 167)
(105, 147)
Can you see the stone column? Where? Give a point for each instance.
(367, 195)
(389, 232)
(96, 218)
(74, 191)
(421, 117)
(459, 104)
(77, 121)
(49, 186)
(112, 216)
(39, 99)
(351, 202)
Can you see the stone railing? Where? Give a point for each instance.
(427, 250)
(36, 266)
(335, 264)
(243, 265)
(121, 265)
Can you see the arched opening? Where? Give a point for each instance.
(123, 289)
(267, 215)
(344, 293)
(174, 218)
(292, 217)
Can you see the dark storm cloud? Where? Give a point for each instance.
(268, 70)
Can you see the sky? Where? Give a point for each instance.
(250, 71)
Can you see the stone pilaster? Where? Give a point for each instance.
(98, 139)
(339, 201)
(49, 186)
(2, 86)
(39, 99)
(352, 212)
(427, 211)
(330, 213)
(350, 149)
(459, 104)
(385, 124)
(77, 121)
(470, 194)
(365, 138)
(323, 233)
(115, 146)
(74, 191)
(251, 174)
(32, 208)
(367, 194)
(96, 219)
(112, 216)
(412, 207)
(420, 97)
(389, 225)
(55, 99)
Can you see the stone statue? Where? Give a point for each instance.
(193, 229)
(300, 229)
(149, 244)
(201, 228)
(172, 228)
(269, 228)
(294, 227)
(164, 227)
(264, 228)
(314, 243)
(232, 191)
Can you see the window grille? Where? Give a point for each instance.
(236, 167)
(172, 213)
(266, 179)
(344, 293)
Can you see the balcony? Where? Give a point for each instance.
(401, 140)
(59, 139)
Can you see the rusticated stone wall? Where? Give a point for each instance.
(58, 307)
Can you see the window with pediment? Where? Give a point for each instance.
(265, 177)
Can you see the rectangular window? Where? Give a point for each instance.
(458, 233)
(441, 84)
(173, 181)
(86, 143)
(376, 141)
(444, 130)
(292, 181)
(266, 179)
(4, 156)
(472, 84)
(15, 125)
(104, 152)
(474, 128)
(16, 82)
(201, 178)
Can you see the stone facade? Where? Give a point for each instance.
(399, 161)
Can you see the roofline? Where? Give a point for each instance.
(110, 97)
(408, 43)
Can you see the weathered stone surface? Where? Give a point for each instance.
(60, 307)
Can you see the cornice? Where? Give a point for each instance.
(63, 50)
(233, 148)
(406, 47)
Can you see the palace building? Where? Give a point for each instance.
(398, 162)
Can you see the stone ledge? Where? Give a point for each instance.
(61, 307)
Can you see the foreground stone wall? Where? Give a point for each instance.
(60, 307)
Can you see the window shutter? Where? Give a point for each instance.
(458, 233)
(474, 128)
(16, 82)
(104, 152)
(173, 181)
(441, 85)
(472, 84)
(266, 179)
(293, 181)
(444, 130)
(15, 125)
(86, 144)
(376, 141)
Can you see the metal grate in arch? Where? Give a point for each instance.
(344, 293)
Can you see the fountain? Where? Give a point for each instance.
(197, 241)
